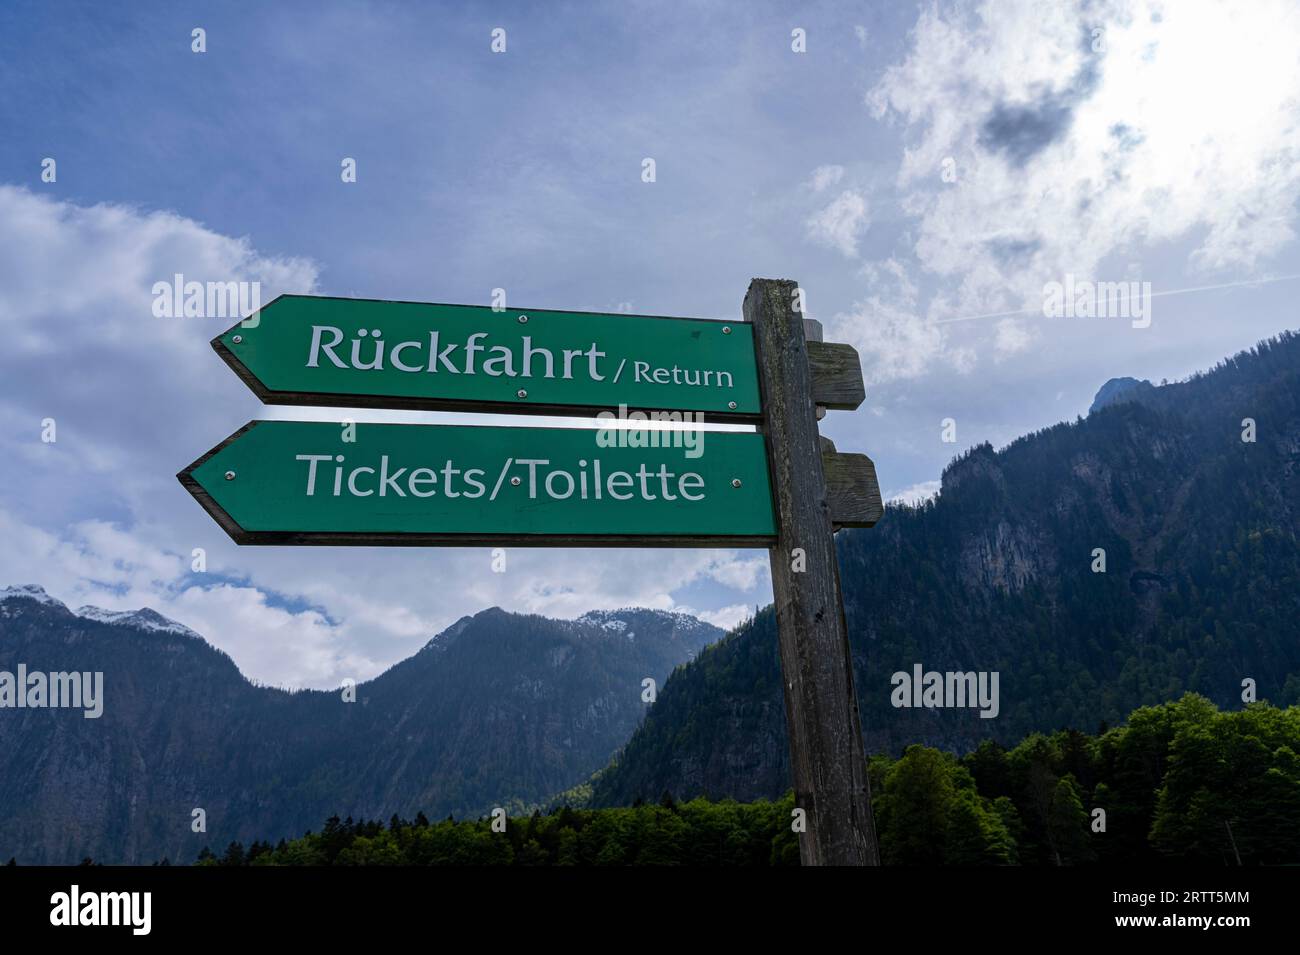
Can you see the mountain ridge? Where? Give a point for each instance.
(1120, 560)
(499, 709)
(144, 618)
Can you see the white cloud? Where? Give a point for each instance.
(261, 637)
(893, 339)
(840, 223)
(916, 493)
(737, 572)
(1012, 335)
(824, 177)
(726, 617)
(1184, 126)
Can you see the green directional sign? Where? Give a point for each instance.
(306, 350)
(297, 482)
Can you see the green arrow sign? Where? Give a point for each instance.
(296, 482)
(302, 350)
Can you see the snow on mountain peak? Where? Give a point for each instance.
(30, 592)
(143, 619)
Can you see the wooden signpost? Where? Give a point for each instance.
(821, 707)
(784, 488)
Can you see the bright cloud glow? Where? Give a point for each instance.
(1085, 135)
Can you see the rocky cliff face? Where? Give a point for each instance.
(498, 710)
(1119, 389)
(1002, 572)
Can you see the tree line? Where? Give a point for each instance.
(1181, 781)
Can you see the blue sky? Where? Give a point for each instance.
(922, 171)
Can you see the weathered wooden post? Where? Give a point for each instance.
(826, 751)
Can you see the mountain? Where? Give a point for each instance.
(1191, 489)
(497, 710)
(1118, 389)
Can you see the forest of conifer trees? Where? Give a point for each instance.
(1180, 782)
